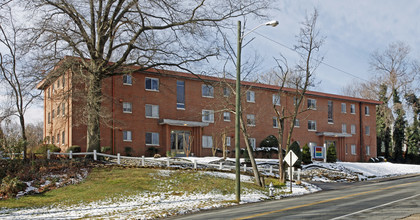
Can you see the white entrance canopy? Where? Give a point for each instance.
(333, 134)
(183, 123)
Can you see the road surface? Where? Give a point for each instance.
(393, 199)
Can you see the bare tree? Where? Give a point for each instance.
(300, 78)
(109, 35)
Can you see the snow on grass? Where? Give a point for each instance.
(383, 169)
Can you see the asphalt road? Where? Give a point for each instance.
(391, 199)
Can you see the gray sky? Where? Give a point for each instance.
(353, 30)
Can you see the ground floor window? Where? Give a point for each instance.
(353, 149)
(367, 150)
(252, 143)
(126, 135)
(207, 141)
(152, 138)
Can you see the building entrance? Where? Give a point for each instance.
(179, 141)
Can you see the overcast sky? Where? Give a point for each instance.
(353, 30)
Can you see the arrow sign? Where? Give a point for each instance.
(290, 158)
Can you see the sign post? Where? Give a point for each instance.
(291, 159)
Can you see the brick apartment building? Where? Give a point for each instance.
(168, 110)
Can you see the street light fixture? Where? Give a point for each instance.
(238, 103)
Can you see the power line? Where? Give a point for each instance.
(326, 64)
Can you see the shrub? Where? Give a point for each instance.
(151, 151)
(10, 186)
(306, 154)
(106, 149)
(270, 141)
(128, 151)
(74, 149)
(43, 148)
(296, 149)
(331, 154)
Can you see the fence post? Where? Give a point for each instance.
(220, 166)
(118, 159)
(195, 164)
(142, 161)
(245, 167)
(298, 177)
(271, 169)
(94, 155)
(48, 154)
(71, 155)
(167, 162)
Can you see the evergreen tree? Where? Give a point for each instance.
(306, 154)
(331, 154)
(399, 128)
(382, 122)
(413, 133)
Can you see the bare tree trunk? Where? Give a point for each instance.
(93, 111)
(282, 178)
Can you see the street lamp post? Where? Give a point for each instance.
(238, 103)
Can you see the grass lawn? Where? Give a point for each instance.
(111, 182)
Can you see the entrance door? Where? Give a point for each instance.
(179, 141)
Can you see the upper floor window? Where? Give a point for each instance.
(295, 100)
(353, 129)
(344, 128)
(127, 107)
(275, 122)
(207, 141)
(311, 104)
(208, 116)
(250, 120)
(52, 115)
(63, 81)
(180, 94)
(250, 96)
(58, 110)
(152, 84)
(367, 110)
(227, 141)
(226, 91)
(330, 112)
(152, 138)
(226, 116)
(152, 111)
(276, 99)
(297, 123)
(63, 109)
(311, 125)
(352, 108)
(343, 108)
(128, 81)
(207, 91)
(252, 143)
(127, 136)
(367, 130)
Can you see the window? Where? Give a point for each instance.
(63, 109)
(250, 120)
(344, 128)
(58, 110)
(297, 123)
(152, 111)
(127, 136)
(127, 80)
(311, 104)
(367, 150)
(152, 84)
(127, 107)
(226, 116)
(275, 122)
(352, 108)
(250, 96)
(208, 116)
(353, 149)
(180, 94)
(252, 143)
(226, 91)
(52, 115)
(227, 141)
(58, 138)
(64, 81)
(152, 138)
(63, 137)
(58, 83)
(330, 112)
(52, 140)
(311, 125)
(295, 100)
(343, 107)
(353, 129)
(276, 99)
(207, 91)
(367, 110)
(207, 141)
(367, 130)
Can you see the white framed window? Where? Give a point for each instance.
(276, 99)
(353, 149)
(152, 111)
(207, 116)
(343, 108)
(180, 94)
(207, 91)
(367, 150)
(252, 143)
(367, 110)
(250, 120)
(311, 103)
(127, 107)
(127, 136)
(227, 141)
(63, 111)
(352, 108)
(353, 129)
(226, 91)
(275, 122)
(207, 141)
(330, 112)
(127, 80)
(367, 130)
(152, 84)
(226, 116)
(152, 138)
(295, 100)
(297, 123)
(311, 125)
(250, 96)
(343, 128)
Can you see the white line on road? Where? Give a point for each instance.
(364, 210)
